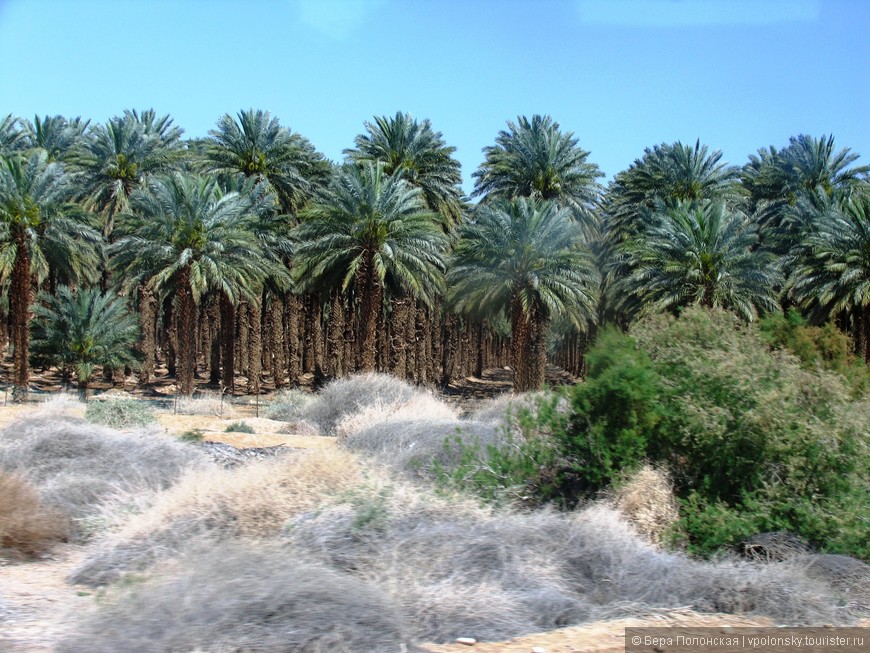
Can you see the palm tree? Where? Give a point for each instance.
(372, 234)
(831, 278)
(59, 137)
(525, 258)
(13, 137)
(185, 237)
(256, 145)
(402, 144)
(80, 329)
(33, 226)
(788, 187)
(534, 158)
(698, 252)
(118, 157)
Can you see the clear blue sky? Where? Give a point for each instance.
(621, 74)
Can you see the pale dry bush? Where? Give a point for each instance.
(344, 397)
(421, 406)
(76, 466)
(60, 404)
(254, 501)
(204, 403)
(227, 597)
(288, 405)
(27, 527)
(648, 503)
(458, 572)
(422, 446)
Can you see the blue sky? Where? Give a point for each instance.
(621, 74)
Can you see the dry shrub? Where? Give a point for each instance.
(422, 406)
(647, 501)
(288, 405)
(60, 404)
(420, 446)
(27, 527)
(204, 403)
(76, 465)
(344, 397)
(237, 596)
(254, 500)
(492, 576)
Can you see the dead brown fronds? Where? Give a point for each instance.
(647, 501)
(27, 527)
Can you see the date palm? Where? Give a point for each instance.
(184, 237)
(34, 227)
(254, 144)
(58, 136)
(372, 234)
(119, 156)
(535, 158)
(402, 144)
(831, 278)
(788, 186)
(698, 253)
(13, 136)
(525, 258)
(80, 329)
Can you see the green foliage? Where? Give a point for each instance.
(80, 329)
(119, 413)
(193, 435)
(824, 347)
(239, 427)
(754, 442)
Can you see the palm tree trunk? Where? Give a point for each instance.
(228, 339)
(398, 348)
(242, 342)
(254, 345)
(214, 340)
(279, 360)
(291, 333)
(410, 342)
(448, 348)
(371, 294)
(336, 335)
(148, 324)
(421, 353)
(19, 305)
(538, 350)
(520, 341)
(186, 320)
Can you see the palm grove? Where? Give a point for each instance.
(247, 255)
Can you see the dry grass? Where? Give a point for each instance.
(419, 445)
(27, 527)
(76, 466)
(244, 596)
(204, 403)
(345, 397)
(255, 501)
(421, 406)
(455, 572)
(647, 501)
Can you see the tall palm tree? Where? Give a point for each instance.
(59, 137)
(525, 258)
(183, 238)
(34, 196)
(786, 187)
(372, 234)
(13, 137)
(79, 329)
(255, 144)
(402, 144)
(534, 158)
(831, 278)
(699, 252)
(119, 156)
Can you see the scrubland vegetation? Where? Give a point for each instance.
(714, 322)
(690, 435)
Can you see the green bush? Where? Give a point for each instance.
(239, 427)
(754, 442)
(119, 413)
